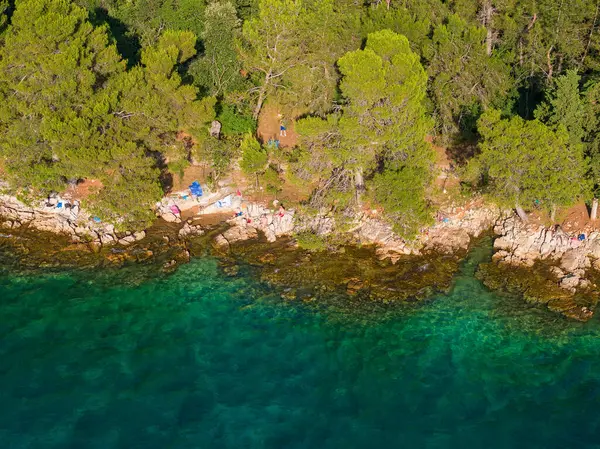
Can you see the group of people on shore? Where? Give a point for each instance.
(60, 205)
(264, 220)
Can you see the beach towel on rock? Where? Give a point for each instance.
(225, 202)
(196, 189)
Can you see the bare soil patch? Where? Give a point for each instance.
(269, 123)
(190, 174)
(82, 190)
(573, 219)
(446, 179)
(576, 218)
(212, 219)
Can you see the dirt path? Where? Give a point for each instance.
(446, 180)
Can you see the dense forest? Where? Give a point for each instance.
(106, 89)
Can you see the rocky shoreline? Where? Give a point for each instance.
(78, 225)
(452, 233)
(569, 264)
(522, 244)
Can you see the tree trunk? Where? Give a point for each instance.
(522, 37)
(521, 213)
(594, 213)
(359, 184)
(553, 213)
(487, 11)
(261, 96)
(549, 63)
(521, 52)
(489, 40)
(589, 41)
(560, 64)
(557, 29)
(259, 103)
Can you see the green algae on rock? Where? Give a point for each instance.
(350, 274)
(25, 249)
(353, 272)
(539, 285)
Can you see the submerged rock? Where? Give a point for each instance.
(542, 283)
(354, 285)
(354, 273)
(231, 270)
(127, 240)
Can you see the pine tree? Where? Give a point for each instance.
(463, 77)
(565, 106)
(325, 33)
(71, 110)
(271, 45)
(254, 157)
(526, 162)
(379, 138)
(385, 88)
(53, 67)
(218, 70)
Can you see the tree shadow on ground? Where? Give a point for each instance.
(461, 150)
(166, 181)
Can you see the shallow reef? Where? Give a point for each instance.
(539, 285)
(353, 273)
(345, 276)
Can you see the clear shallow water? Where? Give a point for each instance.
(197, 360)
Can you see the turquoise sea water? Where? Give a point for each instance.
(197, 360)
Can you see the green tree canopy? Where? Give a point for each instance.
(380, 135)
(385, 87)
(218, 70)
(527, 163)
(148, 19)
(71, 110)
(154, 103)
(402, 21)
(254, 157)
(566, 106)
(326, 31)
(291, 49)
(53, 69)
(463, 76)
(271, 45)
